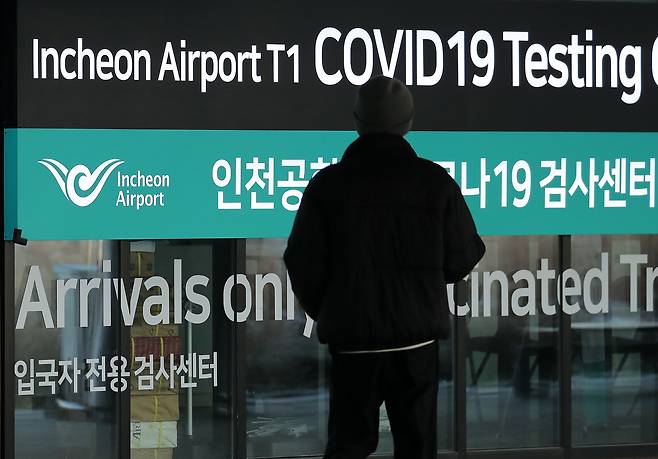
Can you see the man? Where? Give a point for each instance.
(375, 241)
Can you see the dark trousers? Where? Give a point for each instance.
(406, 381)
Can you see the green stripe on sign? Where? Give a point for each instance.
(129, 184)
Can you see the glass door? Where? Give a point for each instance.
(123, 350)
(288, 371)
(65, 390)
(181, 347)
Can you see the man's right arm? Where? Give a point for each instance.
(306, 254)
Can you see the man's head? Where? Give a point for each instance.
(383, 105)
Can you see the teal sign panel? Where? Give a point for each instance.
(149, 184)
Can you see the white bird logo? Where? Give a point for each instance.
(86, 180)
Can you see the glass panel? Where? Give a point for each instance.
(79, 417)
(511, 345)
(615, 361)
(446, 395)
(287, 392)
(192, 418)
(287, 372)
(67, 419)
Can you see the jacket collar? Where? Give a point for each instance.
(378, 146)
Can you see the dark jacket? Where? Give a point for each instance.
(377, 237)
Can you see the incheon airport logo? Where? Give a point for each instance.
(81, 186)
(86, 180)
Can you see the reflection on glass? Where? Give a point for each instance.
(445, 399)
(511, 345)
(63, 420)
(192, 418)
(74, 412)
(286, 377)
(287, 372)
(614, 353)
